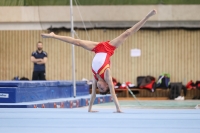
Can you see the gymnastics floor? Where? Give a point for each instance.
(78, 120)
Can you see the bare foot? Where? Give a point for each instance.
(48, 35)
(151, 13)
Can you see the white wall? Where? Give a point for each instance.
(28, 17)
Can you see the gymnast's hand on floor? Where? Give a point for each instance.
(92, 111)
(50, 35)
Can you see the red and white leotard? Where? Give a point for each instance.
(101, 61)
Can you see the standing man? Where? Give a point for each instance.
(39, 58)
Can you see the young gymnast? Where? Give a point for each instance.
(101, 61)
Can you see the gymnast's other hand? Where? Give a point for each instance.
(118, 111)
(50, 35)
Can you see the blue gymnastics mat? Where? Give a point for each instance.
(78, 120)
(60, 102)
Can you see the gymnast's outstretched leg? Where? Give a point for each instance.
(88, 45)
(121, 38)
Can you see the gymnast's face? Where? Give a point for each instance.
(39, 46)
(102, 86)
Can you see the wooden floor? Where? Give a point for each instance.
(159, 94)
(144, 98)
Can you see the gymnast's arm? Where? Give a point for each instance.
(93, 95)
(108, 79)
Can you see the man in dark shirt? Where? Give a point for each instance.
(39, 58)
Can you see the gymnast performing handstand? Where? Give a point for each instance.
(101, 61)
